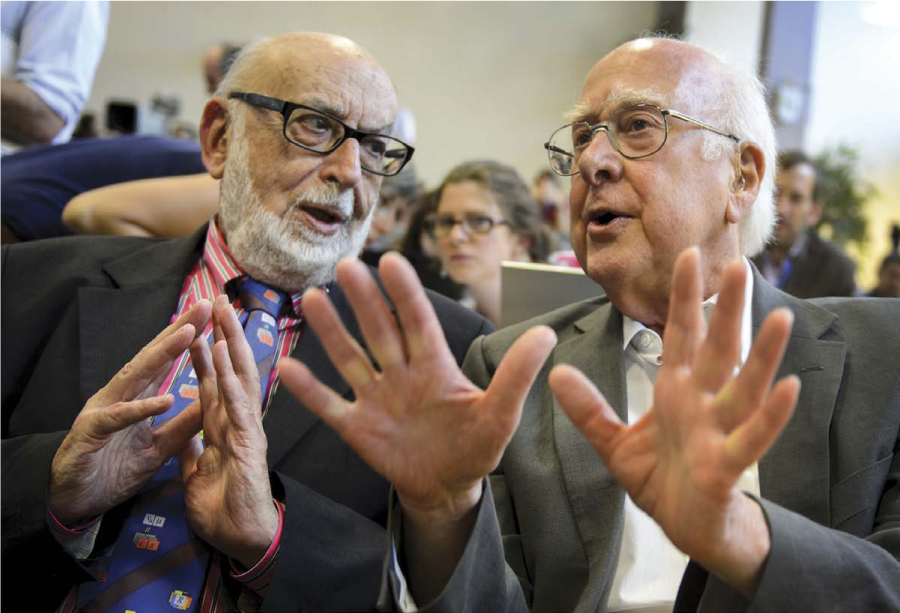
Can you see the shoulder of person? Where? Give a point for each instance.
(562, 321)
(824, 249)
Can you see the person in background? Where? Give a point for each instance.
(798, 260)
(554, 204)
(167, 207)
(420, 248)
(889, 271)
(50, 52)
(37, 184)
(485, 215)
(398, 195)
(216, 62)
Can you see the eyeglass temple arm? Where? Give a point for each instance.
(702, 124)
(259, 100)
(550, 147)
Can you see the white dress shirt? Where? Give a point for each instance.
(650, 567)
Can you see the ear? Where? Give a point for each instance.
(214, 136)
(815, 214)
(748, 177)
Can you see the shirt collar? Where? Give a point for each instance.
(224, 268)
(631, 327)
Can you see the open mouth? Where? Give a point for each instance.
(328, 216)
(324, 220)
(605, 218)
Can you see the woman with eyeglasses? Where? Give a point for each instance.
(486, 215)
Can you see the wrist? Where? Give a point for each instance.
(448, 508)
(740, 559)
(258, 542)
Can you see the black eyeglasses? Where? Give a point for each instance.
(440, 226)
(635, 132)
(321, 133)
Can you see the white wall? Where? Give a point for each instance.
(483, 79)
(731, 30)
(855, 94)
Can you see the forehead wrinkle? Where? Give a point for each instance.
(620, 98)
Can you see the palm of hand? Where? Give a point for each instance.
(680, 463)
(432, 407)
(675, 464)
(418, 420)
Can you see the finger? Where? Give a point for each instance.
(752, 439)
(218, 335)
(378, 325)
(238, 348)
(315, 396)
(145, 367)
(685, 326)
(742, 397)
(421, 329)
(721, 350)
(121, 415)
(586, 407)
(173, 435)
(344, 352)
(188, 456)
(239, 406)
(516, 373)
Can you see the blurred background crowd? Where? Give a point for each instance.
(100, 103)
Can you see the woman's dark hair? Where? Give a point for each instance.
(512, 194)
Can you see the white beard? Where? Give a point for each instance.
(287, 255)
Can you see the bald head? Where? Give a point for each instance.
(276, 66)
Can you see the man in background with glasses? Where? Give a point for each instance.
(299, 134)
(632, 455)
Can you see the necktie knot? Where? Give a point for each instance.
(256, 296)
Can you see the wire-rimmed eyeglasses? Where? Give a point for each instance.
(635, 132)
(319, 132)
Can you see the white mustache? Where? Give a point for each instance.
(328, 195)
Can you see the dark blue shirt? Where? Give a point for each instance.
(36, 184)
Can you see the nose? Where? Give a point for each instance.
(342, 165)
(457, 233)
(600, 162)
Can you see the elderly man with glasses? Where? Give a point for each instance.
(636, 446)
(110, 495)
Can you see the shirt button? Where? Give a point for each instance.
(645, 339)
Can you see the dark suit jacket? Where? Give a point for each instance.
(830, 484)
(74, 311)
(820, 269)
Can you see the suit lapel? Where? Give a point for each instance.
(138, 306)
(287, 421)
(594, 496)
(815, 353)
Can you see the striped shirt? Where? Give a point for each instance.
(207, 279)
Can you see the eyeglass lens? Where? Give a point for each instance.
(634, 132)
(379, 153)
(442, 225)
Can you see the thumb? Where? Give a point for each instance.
(519, 367)
(586, 407)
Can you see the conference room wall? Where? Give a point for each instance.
(484, 79)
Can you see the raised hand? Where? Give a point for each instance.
(680, 463)
(227, 496)
(417, 419)
(112, 450)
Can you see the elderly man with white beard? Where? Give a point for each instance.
(176, 475)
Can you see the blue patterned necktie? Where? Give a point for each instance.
(158, 563)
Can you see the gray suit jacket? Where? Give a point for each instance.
(830, 484)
